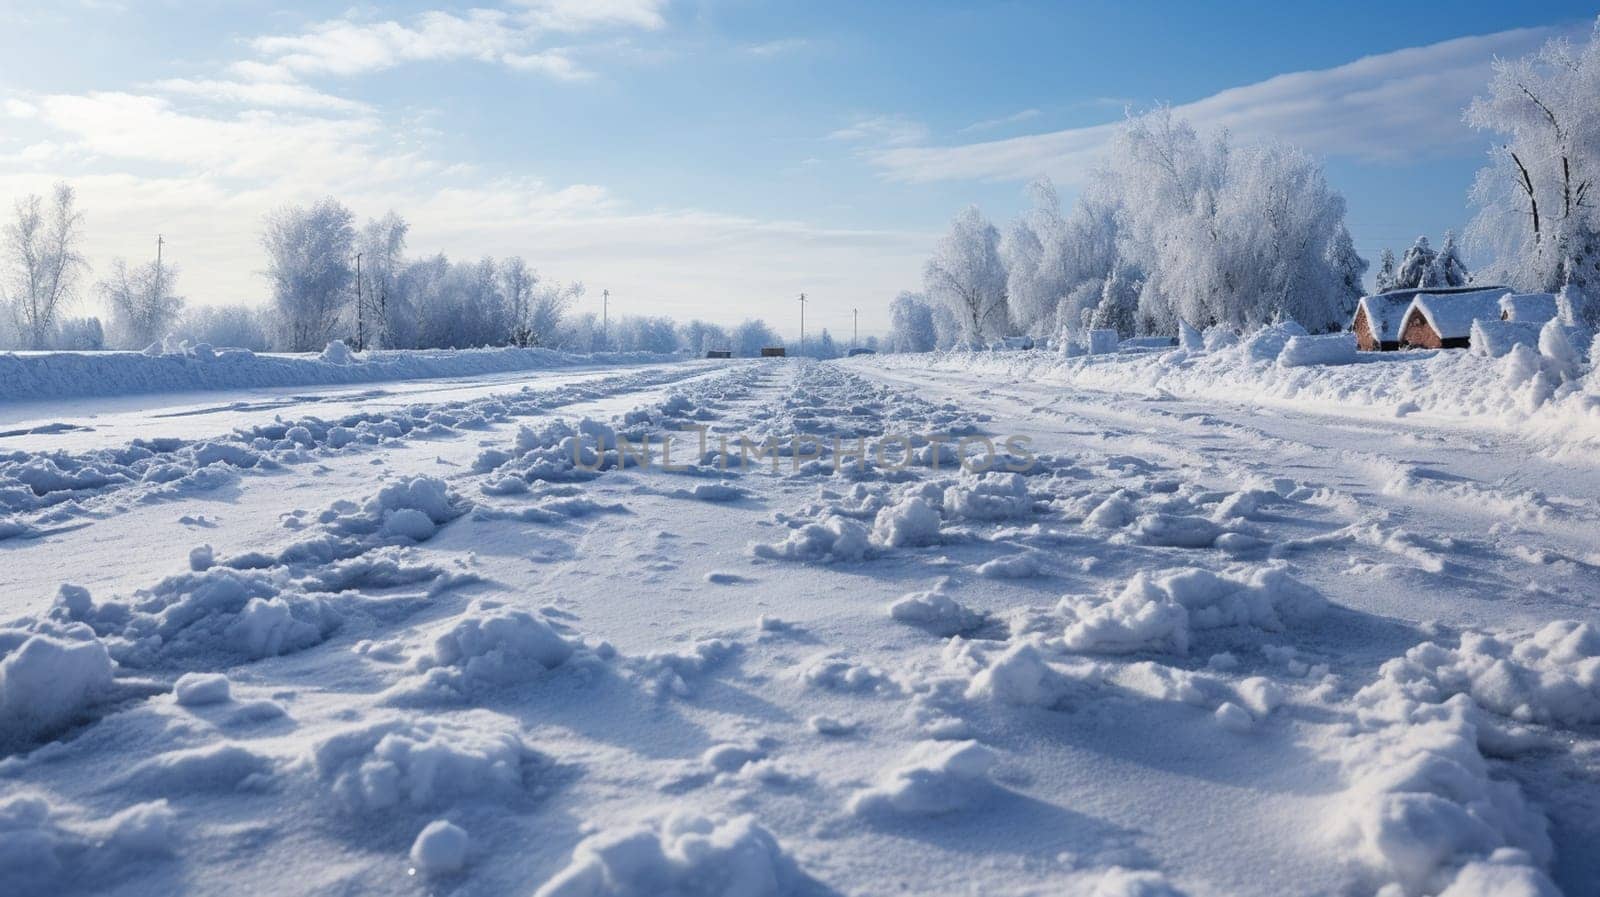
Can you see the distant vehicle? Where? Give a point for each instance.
(719, 353)
(863, 350)
(773, 352)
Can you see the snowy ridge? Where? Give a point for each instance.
(30, 376)
(1556, 396)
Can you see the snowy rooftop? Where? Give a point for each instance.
(1386, 312)
(1451, 313)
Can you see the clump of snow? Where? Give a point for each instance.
(1015, 566)
(1157, 612)
(486, 647)
(47, 683)
(1190, 339)
(684, 854)
(912, 522)
(197, 689)
(988, 496)
(440, 848)
(420, 764)
(935, 777)
(1421, 803)
(219, 610)
(1551, 675)
(936, 611)
(337, 353)
(1177, 531)
(412, 508)
(1020, 675)
(1268, 343)
(836, 539)
(835, 673)
(44, 849)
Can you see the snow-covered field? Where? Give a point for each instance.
(451, 637)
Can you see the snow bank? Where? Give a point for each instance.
(54, 375)
(1334, 348)
(1543, 390)
(1158, 612)
(684, 854)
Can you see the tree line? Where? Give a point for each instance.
(330, 277)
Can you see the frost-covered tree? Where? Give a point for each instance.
(143, 302)
(547, 309)
(79, 335)
(825, 348)
(966, 276)
(911, 324)
(310, 253)
(946, 328)
(1448, 269)
(1386, 271)
(1538, 217)
(1118, 307)
(1051, 260)
(750, 337)
(41, 262)
(227, 325)
(386, 317)
(699, 337)
(1416, 266)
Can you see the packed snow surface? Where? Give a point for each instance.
(1234, 616)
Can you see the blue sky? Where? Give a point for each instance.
(708, 158)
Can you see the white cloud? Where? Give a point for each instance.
(268, 93)
(990, 124)
(1382, 107)
(18, 109)
(779, 47)
(882, 130)
(348, 46)
(585, 15)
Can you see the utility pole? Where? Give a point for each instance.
(361, 334)
(802, 323)
(605, 319)
(855, 325)
(160, 241)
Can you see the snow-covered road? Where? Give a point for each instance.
(453, 638)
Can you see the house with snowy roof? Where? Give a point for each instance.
(1381, 317)
(1439, 319)
(1378, 319)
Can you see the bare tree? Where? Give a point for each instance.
(142, 302)
(42, 262)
